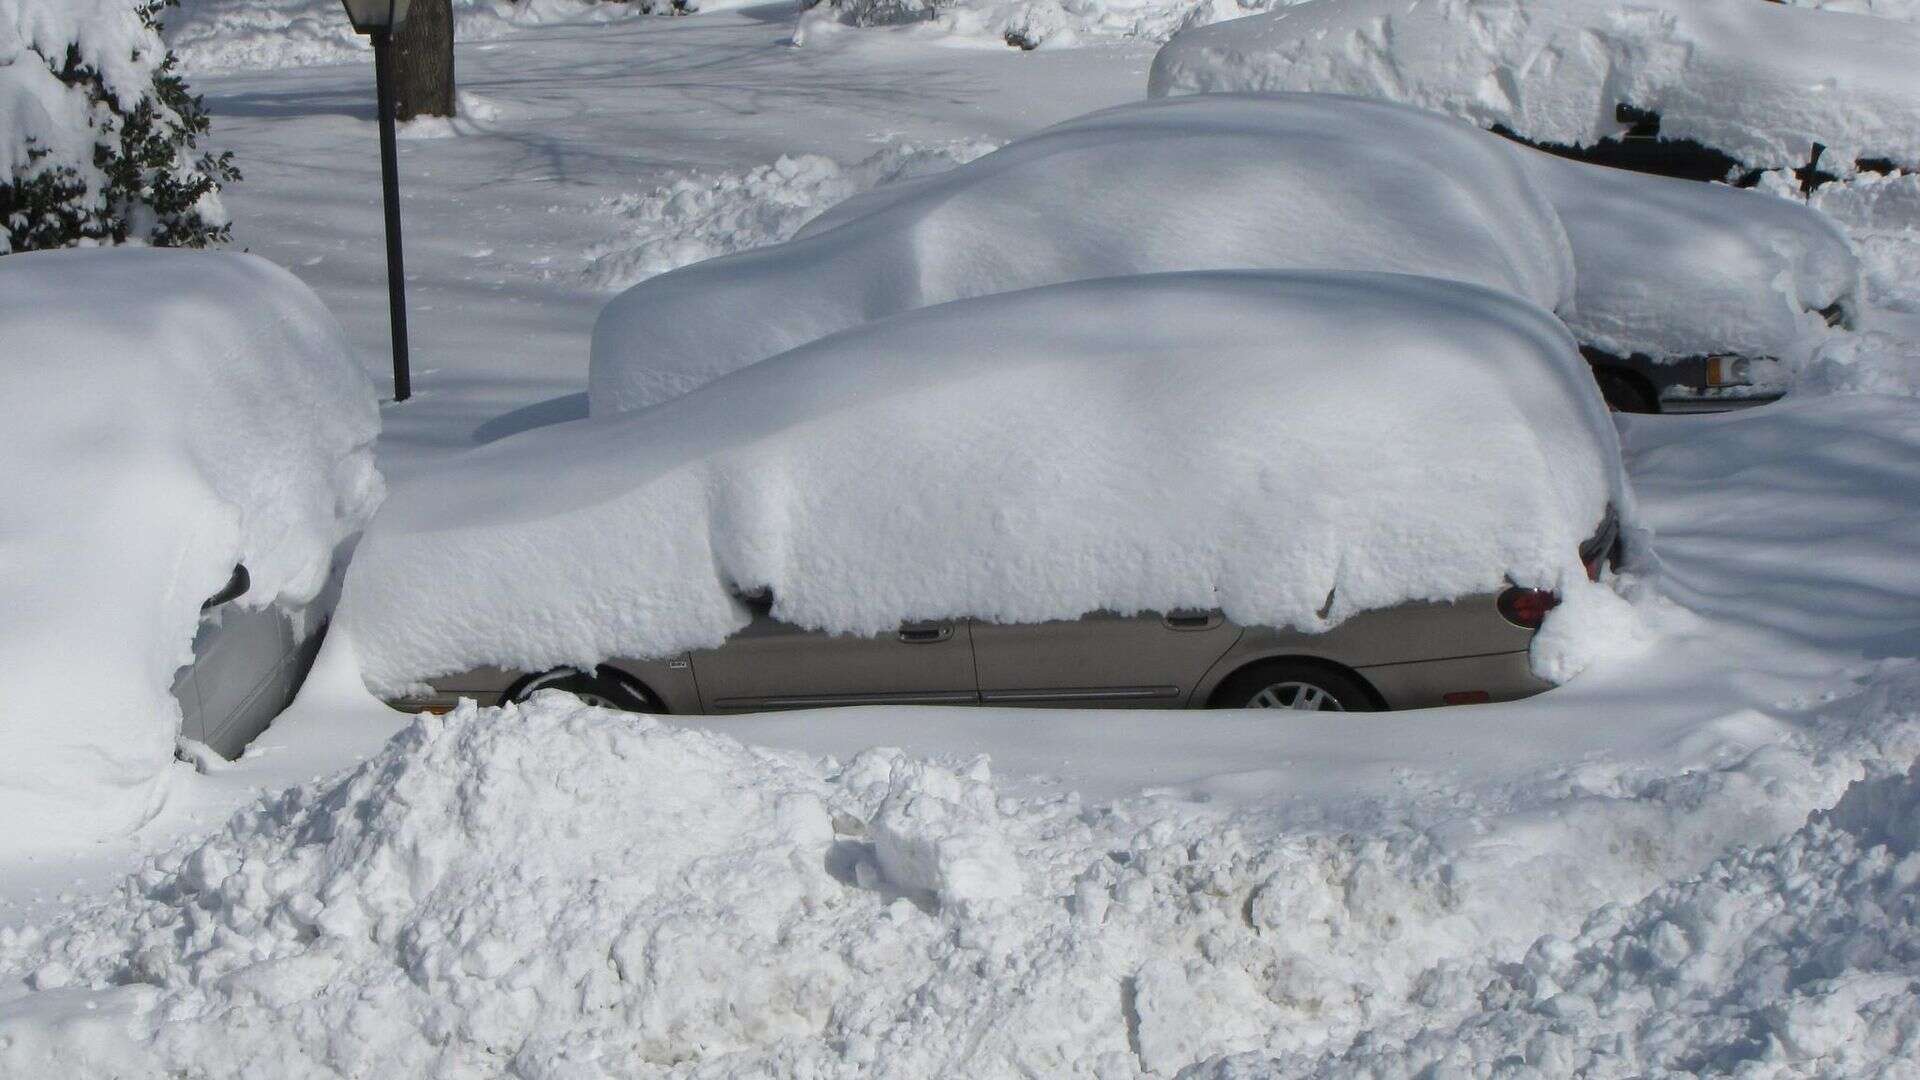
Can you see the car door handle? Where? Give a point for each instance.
(926, 633)
(1191, 620)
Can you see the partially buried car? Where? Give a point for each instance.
(178, 416)
(1656, 277)
(1302, 490)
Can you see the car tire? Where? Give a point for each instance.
(1624, 393)
(603, 688)
(1304, 685)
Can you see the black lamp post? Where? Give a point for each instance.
(378, 19)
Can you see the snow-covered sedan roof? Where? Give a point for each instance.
(170, 414)
(1271, 181)
(1290, 447)
(1762, 83)
(1196, 184)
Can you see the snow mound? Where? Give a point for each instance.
(1792, 959)
(1196, 184)
(1762, 83)
(175, 414)
(1021, 457)
(1672, 267)
(226, 35)
(1881, 215)
(697, 218)
(557, 891)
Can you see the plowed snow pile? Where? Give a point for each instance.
(558, 891)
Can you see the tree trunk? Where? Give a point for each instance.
(423, 61)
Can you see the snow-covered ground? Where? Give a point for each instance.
(1619, 875)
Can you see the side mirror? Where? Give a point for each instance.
(235, 588)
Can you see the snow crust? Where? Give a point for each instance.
(1021, 457)
(1672, 267)
(226, 35)
(703, 217)
(1761, 82)
(1196, 184)
(173, 414)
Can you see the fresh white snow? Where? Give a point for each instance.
(1760, 82)
(1619, 874)
(173, 414)
(1022, 457)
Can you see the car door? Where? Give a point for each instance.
(775, 665)
(1105, 660)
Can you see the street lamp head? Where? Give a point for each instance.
(376, 16)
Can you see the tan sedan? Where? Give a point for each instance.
(1412, 656)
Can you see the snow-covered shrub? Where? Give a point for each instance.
(99, 135)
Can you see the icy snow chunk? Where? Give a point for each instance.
(937, 834)
(1762, 83)
(1197, 184)
(172, 414)
(1021, 457)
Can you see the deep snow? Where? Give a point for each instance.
(159, 435)
(1753, 683)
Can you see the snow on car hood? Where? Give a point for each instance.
(1290, 447)
(1198, 184)
(171, 414)
(1672, 267)
(1760, 82)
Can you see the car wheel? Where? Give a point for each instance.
(602, 688)
(1624, 393)
(1301, 686)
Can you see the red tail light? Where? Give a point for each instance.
(1527, 608)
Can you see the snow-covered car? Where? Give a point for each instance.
(247, 665)
(1690, 296)
(1638, 266)
(173, 415)
(1233, 488)
(1707, 89)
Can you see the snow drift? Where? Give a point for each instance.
(1762, 83)
(1633, 263)
(172, 414)
(1214, 183)
(226, 35)
(1036, 24)
(1265, 443)
(703, 217)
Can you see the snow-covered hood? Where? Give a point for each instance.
(1290, 447)
(171, 414)
(1760, 82)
